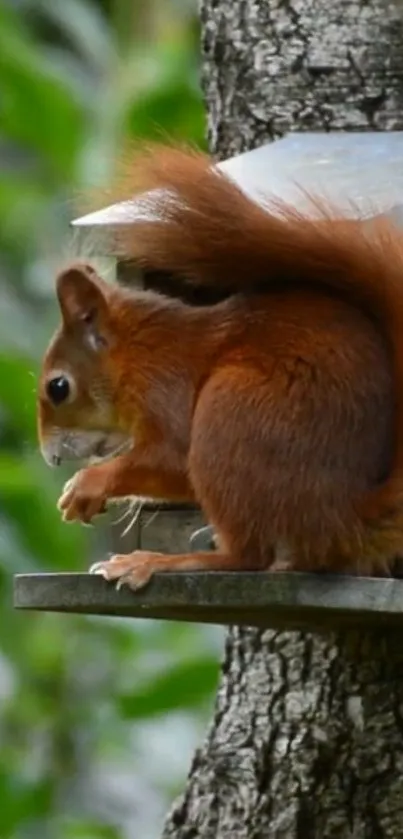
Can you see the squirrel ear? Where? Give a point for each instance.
(80, 293)
(82, 300)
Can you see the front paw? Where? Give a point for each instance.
(84, 496)
(134, 570)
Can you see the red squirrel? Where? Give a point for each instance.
(278, 409)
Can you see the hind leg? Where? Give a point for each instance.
(231, 465)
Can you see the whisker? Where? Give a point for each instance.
(134, 519)
(123, 515)
(152, 518)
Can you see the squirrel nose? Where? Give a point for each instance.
(51, 449)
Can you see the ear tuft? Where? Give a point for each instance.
(81, 294)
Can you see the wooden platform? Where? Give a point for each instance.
(293, 601)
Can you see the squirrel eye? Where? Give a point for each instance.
(58, 389)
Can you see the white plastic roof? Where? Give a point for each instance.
(360, 172)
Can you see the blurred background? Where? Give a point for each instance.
(98, 718)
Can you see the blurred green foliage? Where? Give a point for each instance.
(98, 718)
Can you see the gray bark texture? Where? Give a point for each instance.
(307, 736)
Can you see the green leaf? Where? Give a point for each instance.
(18, 393)
(37, 108)
(87, 830)
(183, 686)
(84, 25)
(28, 496)
(167, 100)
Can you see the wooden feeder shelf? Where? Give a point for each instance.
(283, 601)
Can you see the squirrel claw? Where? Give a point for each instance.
(97, 569)
(83, 497)
(134, 570)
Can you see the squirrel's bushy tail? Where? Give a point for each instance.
(210, 233)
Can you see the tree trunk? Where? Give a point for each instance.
(307, 736)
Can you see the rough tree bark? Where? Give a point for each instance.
(307, 736)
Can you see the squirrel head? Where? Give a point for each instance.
(76, 413)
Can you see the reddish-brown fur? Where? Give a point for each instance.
(280, 409)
